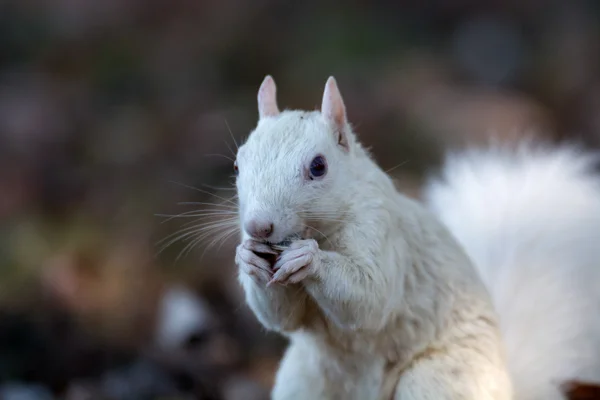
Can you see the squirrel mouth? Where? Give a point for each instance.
(285, 243)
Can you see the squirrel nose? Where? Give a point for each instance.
(260, 229)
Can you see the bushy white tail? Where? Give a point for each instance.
(529, 218)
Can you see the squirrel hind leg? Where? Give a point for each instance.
(300, 376)
(311, 371)
(458, 375)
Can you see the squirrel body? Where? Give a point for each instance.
(529, 218)
(378, 298)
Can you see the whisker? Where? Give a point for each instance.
(324, 235)
(200, 203)
(228, 221)
(220, 155)
(325, 220)
(200, 213)
(219, 188)
(319, 217)
(231, 134)
(190, 214)
(229, 148)
(232, 220)
(233, 231)
(192, 230)
(205, 192)
(192, 236)
(322, 214)
(187, 249)
(397, 166)
(219, 239)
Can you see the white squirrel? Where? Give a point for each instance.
(493, 298)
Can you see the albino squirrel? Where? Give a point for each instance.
(492, 294)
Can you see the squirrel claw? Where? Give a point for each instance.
(295, 263)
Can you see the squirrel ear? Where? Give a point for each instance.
(267, 98)
(334, 111)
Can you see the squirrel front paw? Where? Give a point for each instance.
(251, 259)
(296, 262)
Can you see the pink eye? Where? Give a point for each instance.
(318, 167)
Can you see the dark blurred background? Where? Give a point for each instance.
(114, 111)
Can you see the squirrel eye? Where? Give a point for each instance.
(235, 168)
(318, 167)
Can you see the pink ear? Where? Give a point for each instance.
(267, 98)
(334, 111)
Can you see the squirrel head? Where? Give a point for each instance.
(292, 171)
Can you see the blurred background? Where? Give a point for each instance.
(115, 112)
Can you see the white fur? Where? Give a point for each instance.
(382, 302)
(530, 220)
